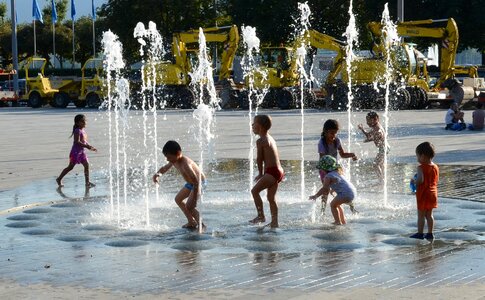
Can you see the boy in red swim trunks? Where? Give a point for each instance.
(427, 189)
(267, 153)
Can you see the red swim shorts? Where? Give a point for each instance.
(276, 172)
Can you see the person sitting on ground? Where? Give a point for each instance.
(478, 118)
(454, 118)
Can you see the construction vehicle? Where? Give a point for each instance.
(7, 95)
(173, 76)
(92, 91)
(38, 90)
(280, 73)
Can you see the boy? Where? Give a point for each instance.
(427, 189)
(454, 118)
(191, 191)
(267, 153)
(478, 118)
(378, 136)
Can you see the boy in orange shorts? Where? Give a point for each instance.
(427, 189)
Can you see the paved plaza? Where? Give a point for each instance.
(83, 244)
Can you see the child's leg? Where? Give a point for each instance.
(379, 165)
(191, 207)
(337, 211)
(421, 217)
(86, 175)
(64, 172)
(341, 214)
(272, 204)
(265, 182)
(179, 199)
(428, 214)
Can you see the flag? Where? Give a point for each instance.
(73, 10)
(93, 10)
(54, 12)
(36, 11)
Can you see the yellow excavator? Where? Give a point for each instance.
(173, 76)
(281, 75)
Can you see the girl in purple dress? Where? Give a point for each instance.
(77, 155)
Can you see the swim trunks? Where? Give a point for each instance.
(276, 172)
(190, 186)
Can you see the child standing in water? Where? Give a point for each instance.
(335, 180)
(378, 136)
(194, 178)
(330, 144)
(78, 155)
(267, 154)
(427, 189)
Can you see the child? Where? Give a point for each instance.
(77, 155)
(267, 153)
(478, 118)
(330, 144)
(378, 136)
(427, 189)
(191, 191)
(334, 180)
(454, 118)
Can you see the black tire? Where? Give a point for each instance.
(269, 99)
(80, 103)
(60, 100)
(423, 98)
(285, 99)
(35, 101)
(340, 98)
(413, 97)
(184, 98)
(401, 98)
(92, 100)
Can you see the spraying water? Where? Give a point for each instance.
(302, 25)
(203, 81)
(352, 36)
(251, 42)
(113, 64)
(391, 39)
(150, 39)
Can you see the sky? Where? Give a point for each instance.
(24, 8)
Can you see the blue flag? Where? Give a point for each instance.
(73, 10)
(54, 12)
(36, 14)
(93, 10)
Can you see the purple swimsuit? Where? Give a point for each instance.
(77, 155)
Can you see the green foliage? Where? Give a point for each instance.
(61, 9)
(3, 12)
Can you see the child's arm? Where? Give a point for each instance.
(324, 190)
(259, 158)
(344, 154)
(77, 140)
(368, 136)
(193, 179)
(161, 171)
(419, 178)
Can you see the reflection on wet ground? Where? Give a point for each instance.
(86, 240)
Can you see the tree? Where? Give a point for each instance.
(61, 9)
(3, 12)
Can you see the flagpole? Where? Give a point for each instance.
(94, 41)
(35, 42)
(54, 43)
(73, 46)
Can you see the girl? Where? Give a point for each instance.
(334, 180)
(77, 155)
(330, 144)
(427, 189)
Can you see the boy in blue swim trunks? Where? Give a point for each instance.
(193, 176)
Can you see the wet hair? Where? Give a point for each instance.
(372, 115)
(264, 121)
(171, 147)
(77, 119)
(426, 149)
(330, 124)
(479, 105)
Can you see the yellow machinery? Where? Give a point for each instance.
(91, 93)
(282, 77)
(174, 77)
(38, 90)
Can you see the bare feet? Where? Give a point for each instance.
(90, 185)
(273, 225)
(337, 223)
(190, 226)
(59, 182)
(257, 220)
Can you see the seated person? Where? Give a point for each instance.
(478, 118)
(454, 118)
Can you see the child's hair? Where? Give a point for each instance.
(426, 149)
(171, 147)
(372, 115)
(77, 119)
(330, 124)
(264, 121)
(479, 105)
